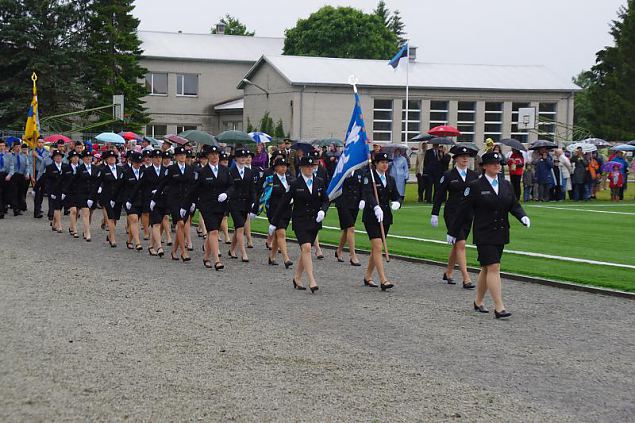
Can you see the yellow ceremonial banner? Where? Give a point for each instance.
(32, 128)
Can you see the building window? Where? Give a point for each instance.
(438, 113)
(516, 133)
(466, 119)
(493, 121)
(181, 128)
(157, 83)
(547, 121)
(414, 119)
(232, 125)
(157, 131)
(187, 84)
(382, 120)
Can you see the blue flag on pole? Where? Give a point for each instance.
(403, 52)
(355, 153)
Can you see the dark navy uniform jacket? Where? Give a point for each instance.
(209, 187)
(386, 194)
(451, 191)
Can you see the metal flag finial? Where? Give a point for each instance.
(353, 80)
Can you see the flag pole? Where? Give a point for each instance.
(353, 81)
(407, 87)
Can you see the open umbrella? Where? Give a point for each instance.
(631, 142)
(260, 137)
(110, 137)
(128, 136)
(513, 143)
(608, 166)
(444, 131)
(56, 137)
(234, 137)
(175, 139)
(12, 140)
(153, 141)
(441, 141)
(422, 137)
(327, 142)
(598, 142)
(468, 145)
(198, 137)
(543, 144)
(304, 146)
(586, 148)
(623, 147)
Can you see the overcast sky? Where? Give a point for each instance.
(561, 34)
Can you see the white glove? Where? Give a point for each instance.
(320, 216)
(152, 204)
(451, 240)
(192, 208)
(379, 213)
(525, 221)
(112, 203)
(89, 203)
(291, 202)
(99, 190)
(434, 221)
(154, 191)
(272, 229)
(128, 205)
(53, 197)
(362, 204)
(182, 213)
(222, 197)
(395, 205)
(63, 197)
(252, 216)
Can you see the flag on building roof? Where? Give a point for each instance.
(355, 153)
(403, 52)
(32, 128)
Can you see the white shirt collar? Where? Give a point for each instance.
(490, 179)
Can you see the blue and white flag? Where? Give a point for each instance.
(403, 52)
(355, 153)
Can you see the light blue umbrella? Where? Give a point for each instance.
(110, 137)
(260, 137)
(623, 147)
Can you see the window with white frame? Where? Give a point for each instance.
(414, 119)
(156, 130)
(465, 120)
(382, 120)
(547, 121)
(516, 133)
(157, 83)
(181, 128)
(438, 113)
(187, 84)
(232, 125)
(493, 120)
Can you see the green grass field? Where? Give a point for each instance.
(597, 231)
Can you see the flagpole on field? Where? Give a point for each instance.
(353, 82)
(407, 87)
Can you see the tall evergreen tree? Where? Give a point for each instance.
(397, 26)
(113, 54)
(611, 90)
(46, 37)
(233, 26)
(383, 12)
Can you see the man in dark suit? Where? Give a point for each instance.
(432, 170)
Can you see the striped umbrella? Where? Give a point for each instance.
(260, 137)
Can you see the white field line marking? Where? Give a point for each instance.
(584, 210)
(565, 205)
(517, 252)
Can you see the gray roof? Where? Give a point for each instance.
(301, 70)
(174, 45)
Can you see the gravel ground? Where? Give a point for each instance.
(94, 333)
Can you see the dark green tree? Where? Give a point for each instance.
(46, 37)
(279, 131)
(383, 12)
(233, 26)
(611, 88)
(397, 26)
(266, 124)
(250, 127)
(113, 53)
(583, 114)
(341, 32)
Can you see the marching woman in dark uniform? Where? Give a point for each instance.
(131, 196)
(70, 193)
(242, 195)
(276, 188)
(111, 180)
(310, 204)
(177, 188)
(166, 227)
(86, 183)
(211, 198)
(489, 199)
(56, 174)
(151, 179)
(224, 227)
(320, 172)
(201, 231)
(145, 209)
(378, 214)
(451, 188)
(348, 205)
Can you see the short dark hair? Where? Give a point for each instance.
(2, 141)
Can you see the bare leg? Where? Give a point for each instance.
(133, 221)
(318, 249)
(350, 236)
(224, 227)
(250, 241)
(371, 262)
(481, 286)
(155, 237)
(145, 222)
(180, 239)
(342, 243)
(166, 228)
(451, 261)
(281, 243)
(187, 232)
(85, 213)
(212, 241)
(376, 247)
(274, 247)
(494, 285)
(57, 220)
(239, 240)
(299, 269)
(73, 220)
(112, 226)
(461, 259)
(307, 263)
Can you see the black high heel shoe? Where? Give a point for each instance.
(386, 285)
(449, 280)
(355, 263)
(173, 258)
(370, 283)
(314, 288)
(502, 314)
(185, 258)
(271, 262)
(468, 285)
(339, 259)
(152, 252)
(288, 264)
(139, 247)
(219, 266)
(160, 252)
(229, 253)
(298, 287)
(481, 308)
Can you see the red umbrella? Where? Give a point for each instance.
(175, 139)
(130, 136)
(56, 137)
(444, 131)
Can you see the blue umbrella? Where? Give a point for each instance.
(13, 140)
(306, 147)
(623, 147)
(260, 137)
(110, 137)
